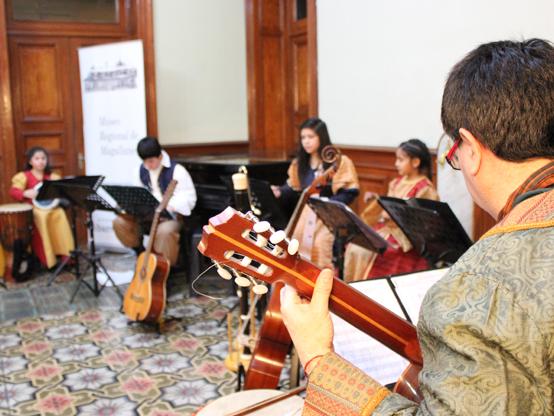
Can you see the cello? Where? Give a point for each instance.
(230, 237)
(145, 297)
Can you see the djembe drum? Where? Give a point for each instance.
(16, 224)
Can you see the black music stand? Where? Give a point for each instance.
(136, 201)
(84, 196)
(57, 189)
(431, 226)
(347, 227)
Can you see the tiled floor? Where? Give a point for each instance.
(63, 358)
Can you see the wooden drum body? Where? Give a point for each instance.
(16, 223)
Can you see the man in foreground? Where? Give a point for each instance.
(486, 329)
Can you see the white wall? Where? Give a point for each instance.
(200, 52)
(382, 65)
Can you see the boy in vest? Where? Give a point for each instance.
(155, 173)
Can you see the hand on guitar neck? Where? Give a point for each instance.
(254, 250)
(309, 322)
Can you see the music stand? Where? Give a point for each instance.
(83, 195)
(431, 226)
(347, 227)
(135, 200)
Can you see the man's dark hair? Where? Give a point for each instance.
(503, 93)
(149, 147)
(320, 128)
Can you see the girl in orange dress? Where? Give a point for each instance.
(413, 163)
(51, 234)
(316, 241)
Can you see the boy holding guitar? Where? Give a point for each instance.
(155, 173)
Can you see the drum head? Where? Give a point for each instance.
(19, 207)
(237, 401)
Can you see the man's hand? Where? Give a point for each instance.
(309, 323)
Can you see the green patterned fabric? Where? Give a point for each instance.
(486, 331)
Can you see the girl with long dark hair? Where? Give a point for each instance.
(316, 241)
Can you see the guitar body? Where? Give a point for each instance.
(146, 295)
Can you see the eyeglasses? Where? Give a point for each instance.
(450, 158)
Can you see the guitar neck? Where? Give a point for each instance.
(362, 312)
(229, 238)
(153, 229)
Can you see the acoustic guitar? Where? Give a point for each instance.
(253, 250)
(146, 295)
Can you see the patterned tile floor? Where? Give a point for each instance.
(61, 358)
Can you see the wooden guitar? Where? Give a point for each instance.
(251, 249)
(146, 295)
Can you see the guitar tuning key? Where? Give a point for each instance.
(263, 269)
(245, 261)
(279, 236)
(293, 246)
(261, 241)
(259, 289)
(261, 227)
(223, 273)
(277, 251)
(242, 281)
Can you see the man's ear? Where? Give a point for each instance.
(472, 150)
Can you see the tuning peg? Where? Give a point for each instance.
(245, 261)
(242, 281)
(277, 237)
(277, 251)
(259, 289)
(261, 227)
(261, 241)
(280, 236)
(263, 269)
(293, 246)
(223, 273)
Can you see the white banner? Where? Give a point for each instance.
(114, 119)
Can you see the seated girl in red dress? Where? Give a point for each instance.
(51, 234)
(413, 163)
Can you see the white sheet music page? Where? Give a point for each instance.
(364, 352)
(411, 289)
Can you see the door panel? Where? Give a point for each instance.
(41, 102)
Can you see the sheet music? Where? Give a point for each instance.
(364, 352)
(411, 289)
(104, 194)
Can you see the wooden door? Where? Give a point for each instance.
(42, 106)
(281, 73)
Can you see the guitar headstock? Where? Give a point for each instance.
(253, 250)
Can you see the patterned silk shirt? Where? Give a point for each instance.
(486, 332)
